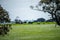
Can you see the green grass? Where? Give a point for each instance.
(33, 32)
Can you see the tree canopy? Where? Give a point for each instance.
(50, 6)
(4, 16)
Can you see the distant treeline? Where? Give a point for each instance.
(38, 21)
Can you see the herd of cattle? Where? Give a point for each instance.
(4, 28)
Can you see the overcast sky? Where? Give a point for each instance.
(22, 9)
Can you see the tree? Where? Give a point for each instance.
(4, 16)
(50, 20)
(40, 20)
(50, 6)
(17, 20)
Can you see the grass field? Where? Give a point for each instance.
(33, 32)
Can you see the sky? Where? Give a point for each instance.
(21, 8)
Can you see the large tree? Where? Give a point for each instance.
(50, 6)
(4, 21)
(4, 16)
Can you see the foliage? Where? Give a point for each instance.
(4, 20)
(50, 6)
(4, 16)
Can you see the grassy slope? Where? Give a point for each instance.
(33, 32)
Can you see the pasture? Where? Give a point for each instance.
(33, 32)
